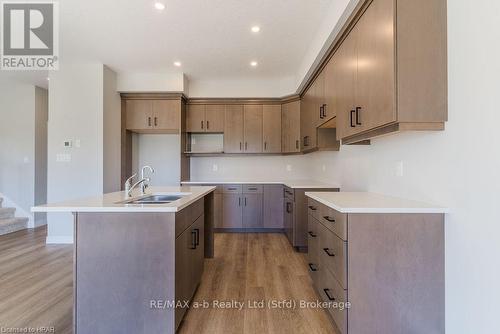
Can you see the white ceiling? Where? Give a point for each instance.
(212, 38)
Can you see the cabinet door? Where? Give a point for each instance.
(285, 123)
(198, 253)
(139, 114)
(306, 110)
(330, 91)
(166, 115)
(214, 117)
(292, 135)
(375, 84)
(271, 125)
(195, 118)
(231, 211)
(288, 219)
(252, 211)
(183, 270)
(319, 100)
(273, 206)
(233, 129)
(218, 210)
(346, 67)
(253, 128)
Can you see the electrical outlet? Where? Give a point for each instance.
(323, 168)
(288, 168)
(215, 167)
(63, 157)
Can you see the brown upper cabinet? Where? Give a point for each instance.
(233, 129)
(252, 128)
(290, 127)
(205, 118)
(155, 116)
(271, 124)
(391, 70)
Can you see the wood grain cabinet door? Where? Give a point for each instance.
(139, 114)
(232, 211)
(252, 211)
(166, 115)
(233, 129)
(253, 128)
(285, 132)
(319, 100)
(330, 91)
(195, 118)
(291, 131)
(345, 60)
(375, 84)
(273, 206)
(214, 118)
(271, 125)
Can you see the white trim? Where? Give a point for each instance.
(59, 240)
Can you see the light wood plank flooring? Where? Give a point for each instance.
(36, 286)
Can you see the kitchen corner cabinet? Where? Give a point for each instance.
(290, 127)
(205, 118)
(392, 70)
(271, 128)
(153, 116)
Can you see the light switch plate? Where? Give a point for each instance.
(63, 157)
(288, 168)
(215, 167)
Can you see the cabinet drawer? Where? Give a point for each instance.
(289, 193)
(186, 217)
(313, 250)
(333, 255)
(331, 291)
(334, 221)
(231, 188)
(253, 188)
(313, 208)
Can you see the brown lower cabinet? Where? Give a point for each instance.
(189, 256)
(382, 272)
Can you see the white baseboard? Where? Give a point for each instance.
(59, 240)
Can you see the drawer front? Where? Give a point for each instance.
(253, 189)
(289, 193)
(333, 255)
(313, 208)
(231, 188)
(331, 291)
(186, 217)
(313, 250)
(334, 221)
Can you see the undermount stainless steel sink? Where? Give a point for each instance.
(154, 199)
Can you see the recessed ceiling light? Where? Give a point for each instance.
(159, 6)
(255, 29)
(177, 63)
(254, 63)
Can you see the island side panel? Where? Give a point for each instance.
(396, 273)
(209, 224)
(123, 261)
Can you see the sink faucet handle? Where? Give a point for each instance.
(151, 170)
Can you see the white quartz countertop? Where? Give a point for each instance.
(294, 184)
(112, 202)
(365, 202)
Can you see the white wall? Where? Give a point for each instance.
(258, 168)
(150, 82)
(40, 140)
(75, 113)
(17, 146)
(160, 151)
(457, 168)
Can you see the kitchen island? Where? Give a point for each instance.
(138, 260)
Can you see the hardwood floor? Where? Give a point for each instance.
(36, 286)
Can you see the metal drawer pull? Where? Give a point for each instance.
(252, 188)
(312, 208)
(331, 220)
(311, 233)
(193, 239)
(312, 268)
(232, 189)
(328, 295)
(197, 230)
(327, 251)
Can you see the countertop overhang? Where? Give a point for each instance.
(111, 202)
(366, 202)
